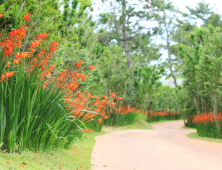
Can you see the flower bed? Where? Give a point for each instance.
(166, 115)
(206, 125)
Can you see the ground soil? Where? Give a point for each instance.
(165, 148)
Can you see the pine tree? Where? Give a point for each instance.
(125, 25)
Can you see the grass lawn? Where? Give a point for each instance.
(196, 136)
(184, 127)
(139, 124)
(78, 156)
(163, 121)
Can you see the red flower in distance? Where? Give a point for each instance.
(112, 95)
(26, 17)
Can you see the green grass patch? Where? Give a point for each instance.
(196, 136)
(139, 124)
(184, 127)
(162, 121)
(78, 156)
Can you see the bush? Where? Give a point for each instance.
(206, 126)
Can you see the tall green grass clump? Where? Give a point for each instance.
(33, 117)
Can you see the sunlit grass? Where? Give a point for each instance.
(196, 136)
(184, 127)
(162, 121)
(139, 124)
(78, 156)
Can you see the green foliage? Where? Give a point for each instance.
(207, 129)
(146, 81)
(33, 117)
(120, 119)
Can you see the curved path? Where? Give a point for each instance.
(165, 148)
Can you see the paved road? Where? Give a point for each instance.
(165, 148)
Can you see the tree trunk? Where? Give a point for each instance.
(169, 57)
(206, 105)
(148, 104)
(126, 46)
(59, 33)
(197, 105)
(66, 15)
(216, 115)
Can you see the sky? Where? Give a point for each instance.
(217, 4)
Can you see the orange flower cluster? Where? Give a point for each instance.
(203, 118)
(26, 17)
(34, 44)
(42, 36)
(119, 98)
(92, 67)
(175, 113)
(14, 40)
(89, 130)
(123, 110)
(112, 95)
(79, 63)
(52, 47)
(7, 75)
(105, 97)
(165, 113)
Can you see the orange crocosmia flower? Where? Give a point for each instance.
(26, 17)
(42, 36)
(119, 98)
(36, 154)
(106, 117)
(9, 74)
(3, 77)
(15, 61)
(8, 51)
(1, 14)
(90, 130)
(105, 97)
(18, 55)
(92, 67)
(52, 47)
(52, 67)
(35, 43)
(8, 64)
(79, 63)
(112, 95)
